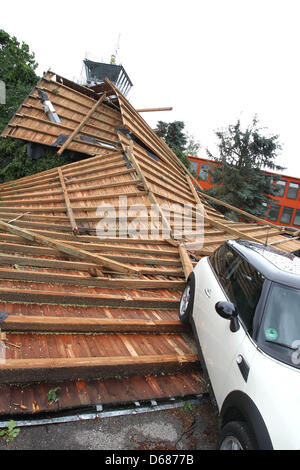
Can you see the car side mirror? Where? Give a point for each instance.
(228, 311)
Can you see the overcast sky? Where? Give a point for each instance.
(213, 61)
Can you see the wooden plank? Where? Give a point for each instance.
(65, 298)
(103, 134)
(166, 186)
(82, 123)
(75, 280)
(37, 370)
(68, 249)
(90, 324)
(244, 233)
(45, 251)
(284, 240)
(125, 249)
(195, 194)
(185, 260)
(94, 244)
(116, 241)
(223, 227)
(97, 173)
(67, 201)
(80, 266)
(105, 391)
(133, 161)
(93, 197)
(141, 129)
(148, 110)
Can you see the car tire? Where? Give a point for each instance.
(236, 435)
(186, 302)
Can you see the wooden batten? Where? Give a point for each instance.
(68, 249)
(82, 123)
(149, 110)
(87, 325)
(24, 371)
(67, 201)
(130, 155)
(185, 260)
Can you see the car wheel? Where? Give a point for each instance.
(236, 435)
(186, 303)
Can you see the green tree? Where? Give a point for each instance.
(17, 70)
(173, 135)
(20, 165)
(193, 146)
(244, 156)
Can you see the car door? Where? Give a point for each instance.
(226, 354)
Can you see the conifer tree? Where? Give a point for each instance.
(240, 178)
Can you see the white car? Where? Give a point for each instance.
(243, 302)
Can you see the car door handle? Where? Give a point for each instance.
(208, 292)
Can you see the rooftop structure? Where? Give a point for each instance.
(96, 72)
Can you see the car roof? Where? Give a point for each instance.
(276, 265)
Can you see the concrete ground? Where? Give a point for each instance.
(192, 427)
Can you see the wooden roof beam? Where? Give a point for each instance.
(82, 123)
(68, 249)
(87, 281)
(228, 229)
(185, 260)
(148, 110)
(38, 296)
(36, 370)
(67, 201)
(89, 324)
(152, 197)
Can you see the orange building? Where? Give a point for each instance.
(285, 212)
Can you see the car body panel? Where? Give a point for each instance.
(274, 388)
(236, 367)
(219, 345)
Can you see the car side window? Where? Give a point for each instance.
(222, 262)
(245, 291)
(241, 282)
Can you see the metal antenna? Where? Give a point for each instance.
(114, 56)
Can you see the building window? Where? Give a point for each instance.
(293, 191)
(297, 218)
(286, 215)
(194, 166)
(280, 186)
(204, 172)
(273, 212)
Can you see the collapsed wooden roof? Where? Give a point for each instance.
(98, 317)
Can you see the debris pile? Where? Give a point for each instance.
(89, 281)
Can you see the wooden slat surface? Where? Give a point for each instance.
(67, 318)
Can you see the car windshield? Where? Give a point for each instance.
(280, 329)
